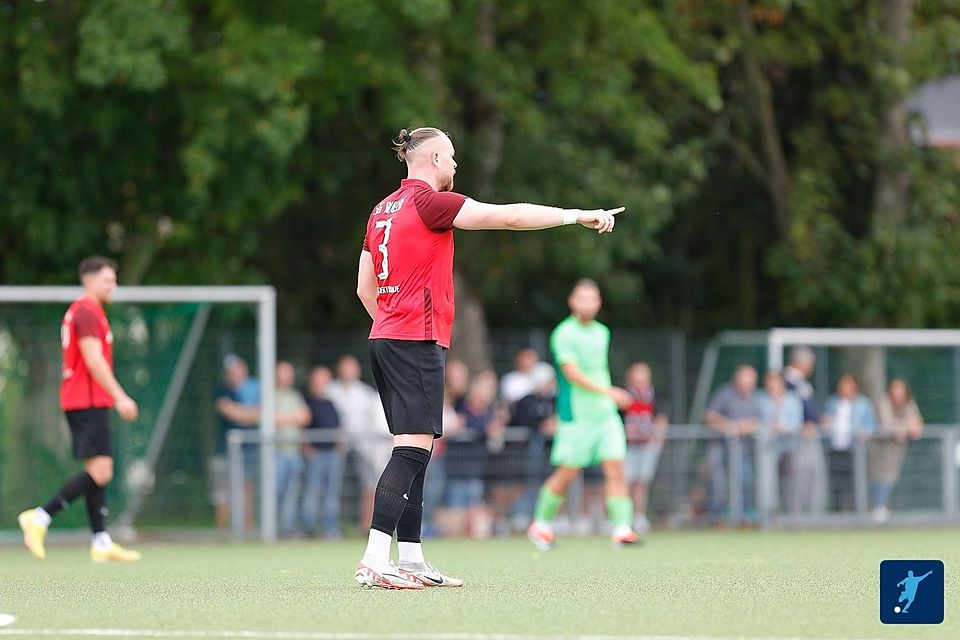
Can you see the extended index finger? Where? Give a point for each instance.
(614, 212)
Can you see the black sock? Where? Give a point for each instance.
(75, 487)
(97, 508)
(408, 527)
(394, 486)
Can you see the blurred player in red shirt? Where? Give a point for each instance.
(88, 392)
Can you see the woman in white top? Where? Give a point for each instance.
(848, 421)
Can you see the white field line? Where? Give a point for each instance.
(320, 635)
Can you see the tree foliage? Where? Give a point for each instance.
(758, 146)
(833, 79)
(151, 130)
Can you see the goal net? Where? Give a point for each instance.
(169, 349)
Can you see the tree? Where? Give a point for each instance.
(155, 131)
(541, 108)
(847, 221)
(759, 147)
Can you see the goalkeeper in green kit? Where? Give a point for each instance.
(590, 430)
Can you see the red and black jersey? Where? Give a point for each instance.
(410, 237)
(79, 390)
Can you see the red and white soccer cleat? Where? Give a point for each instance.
(385, 576)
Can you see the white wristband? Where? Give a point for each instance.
(571, 216)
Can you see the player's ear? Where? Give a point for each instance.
(436, 160)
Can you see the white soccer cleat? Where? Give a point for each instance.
(385, 576)
(429, 576)
(540, 535)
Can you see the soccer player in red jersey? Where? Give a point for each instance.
(87, 393)
(405, 282)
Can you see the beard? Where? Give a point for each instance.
(585, 315)
(446, 183)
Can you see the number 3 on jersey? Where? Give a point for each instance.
(385, 267)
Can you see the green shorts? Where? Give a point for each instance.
(582, 445)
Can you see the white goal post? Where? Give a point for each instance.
(265, 299)
(777, 339)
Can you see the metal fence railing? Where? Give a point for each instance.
(481, 486)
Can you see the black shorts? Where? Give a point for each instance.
(90, 432)
(409, 375)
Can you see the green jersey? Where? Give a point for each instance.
(587, 346)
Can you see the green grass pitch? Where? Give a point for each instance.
(697, 584)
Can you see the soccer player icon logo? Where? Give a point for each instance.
(903, 599)
(909, 584)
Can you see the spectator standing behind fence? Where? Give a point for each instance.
(522, 381)
(810, 466)
(899, 421)
(781, 424)
(797, 377)
(292, 415)
(734, 415)
(466, 455)
(646, 429)
(364, 426)
(506, 469)
(456, 383)
(237, 403)
(323, 477)
(537, 413)
(848, 420)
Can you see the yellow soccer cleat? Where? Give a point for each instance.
(33, 533)
(115, 553)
